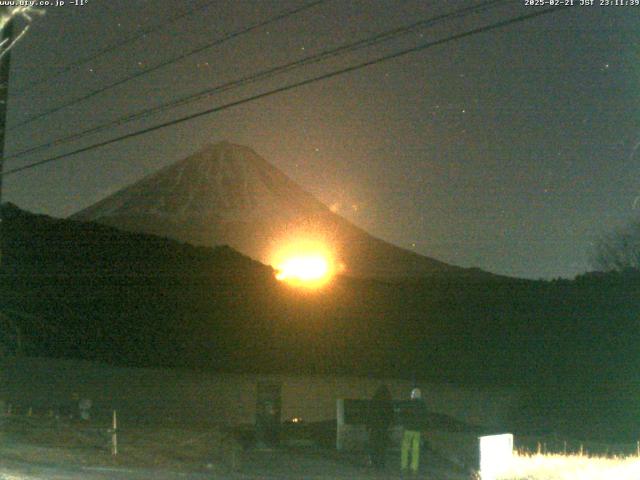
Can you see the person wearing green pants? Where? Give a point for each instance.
(413, 422)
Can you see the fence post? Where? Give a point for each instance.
(340, 427)
(114, 435)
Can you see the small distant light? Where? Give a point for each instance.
(296, 420)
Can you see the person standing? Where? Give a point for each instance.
(414, 422)
(379, 419)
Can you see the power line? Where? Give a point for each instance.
(273, 71)
(217, 42)
(291, 86)
(264, 74)
(134, 38)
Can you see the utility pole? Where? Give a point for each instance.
(7, 38)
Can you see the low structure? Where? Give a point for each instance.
(188, 397)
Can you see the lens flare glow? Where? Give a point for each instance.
(304, 263)
(304, 268)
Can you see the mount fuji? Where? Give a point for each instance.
(228, 194)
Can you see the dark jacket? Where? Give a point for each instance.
(413, 415)
(380, 411)
(379, 415)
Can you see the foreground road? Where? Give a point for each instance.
(23, 472)
(271, 465)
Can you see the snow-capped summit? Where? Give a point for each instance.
(228, 194)
(222, 182)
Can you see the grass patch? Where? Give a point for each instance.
(52, 441)
(571, 467)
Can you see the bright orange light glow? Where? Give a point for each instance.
(304, 263)
(305, 268)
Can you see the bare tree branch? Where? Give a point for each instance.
(618, 250)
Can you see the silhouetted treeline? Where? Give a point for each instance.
(92, 292)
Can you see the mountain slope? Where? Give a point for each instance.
(227, 194)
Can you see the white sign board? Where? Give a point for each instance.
(496, 454)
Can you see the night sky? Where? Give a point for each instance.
(511, 150)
